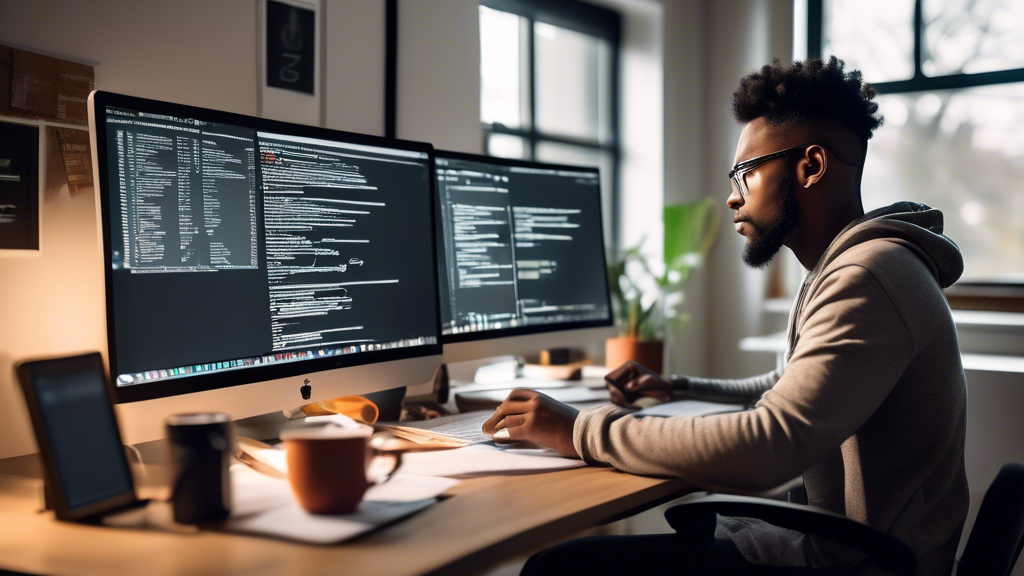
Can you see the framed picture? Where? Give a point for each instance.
(290, 40)
(19, 186)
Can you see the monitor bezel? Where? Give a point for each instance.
(99, 100)
(538, 328)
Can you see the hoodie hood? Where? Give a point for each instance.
(915, 226)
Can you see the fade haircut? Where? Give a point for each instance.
(808, 91)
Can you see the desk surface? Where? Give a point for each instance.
(486, 521)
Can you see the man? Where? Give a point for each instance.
(870, 407)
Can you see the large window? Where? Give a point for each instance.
(548, 87)
(950, 78)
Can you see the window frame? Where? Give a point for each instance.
(921, 83)
(587, 19)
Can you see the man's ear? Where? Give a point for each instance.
(811, 168)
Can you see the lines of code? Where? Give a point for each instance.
(315, 198)
(521, 246)
(477, 211)
(188, 195)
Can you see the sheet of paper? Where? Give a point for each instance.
(466, 426)
(256, 490)
(294, 523)
(484, 460)
(266, 506)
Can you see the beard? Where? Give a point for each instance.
(766, 242)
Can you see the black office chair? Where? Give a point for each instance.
(992, 548)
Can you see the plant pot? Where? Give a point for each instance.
(648, 353)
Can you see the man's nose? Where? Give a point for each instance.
(735, 200)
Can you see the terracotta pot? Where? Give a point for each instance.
(650, 353)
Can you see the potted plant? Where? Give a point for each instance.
(647, 298)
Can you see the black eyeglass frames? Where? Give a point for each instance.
(738, 174)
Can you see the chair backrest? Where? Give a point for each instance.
(998, 534)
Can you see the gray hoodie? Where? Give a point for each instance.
(870, 408)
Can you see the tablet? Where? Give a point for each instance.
(69, 400)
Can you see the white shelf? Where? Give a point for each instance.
(960, 317)
(776, 344)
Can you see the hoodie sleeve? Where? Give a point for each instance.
(749, 389)
(853, 348)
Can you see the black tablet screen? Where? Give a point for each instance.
(81, 430)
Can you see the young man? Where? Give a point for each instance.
(871, 405)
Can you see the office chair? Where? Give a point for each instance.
(992, 548)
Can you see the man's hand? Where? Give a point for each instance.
(631, 381)
(530, 416)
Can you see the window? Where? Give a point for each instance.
(548, 87)
(950, 79)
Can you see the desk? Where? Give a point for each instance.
(486, 521)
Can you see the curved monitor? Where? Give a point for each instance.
(239, 249)
(521, 249)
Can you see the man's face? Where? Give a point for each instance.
(768, 213)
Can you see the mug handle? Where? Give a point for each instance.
(377, 447)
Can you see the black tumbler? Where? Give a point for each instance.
(201, 446)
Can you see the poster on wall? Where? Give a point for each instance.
(290, 43)
(19, 187)
(291, 37)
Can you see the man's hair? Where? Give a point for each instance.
(808, 91)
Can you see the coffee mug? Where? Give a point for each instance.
(330, 468)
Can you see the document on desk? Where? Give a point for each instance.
(265, 506)
(484, 460)
(451, 431)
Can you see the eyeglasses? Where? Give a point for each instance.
(738, 174)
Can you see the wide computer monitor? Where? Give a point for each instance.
(521, 252)
(241, 250)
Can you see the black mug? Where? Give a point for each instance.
(201, 449)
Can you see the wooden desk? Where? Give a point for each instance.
(486, 521)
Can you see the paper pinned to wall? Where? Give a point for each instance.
(77, 158)
(46, 87)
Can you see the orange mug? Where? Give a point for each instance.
(330, 468)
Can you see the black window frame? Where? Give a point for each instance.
(919, 82)
(922, 83)
(587, 19)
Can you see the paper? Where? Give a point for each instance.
(492, 398)
(460, 429)
(265, 506)
(50, 88)
(466, 426)
(74, 151)
(484, 460)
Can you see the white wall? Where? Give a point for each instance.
(439, 74)
(741, 36)
(685, 155)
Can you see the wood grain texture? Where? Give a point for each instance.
(484, 521)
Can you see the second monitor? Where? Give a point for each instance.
(521, 248)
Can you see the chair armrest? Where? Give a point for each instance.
(883, 550)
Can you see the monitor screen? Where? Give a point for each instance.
(240, 249)
(520, 247)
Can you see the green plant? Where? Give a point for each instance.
(647, 299)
